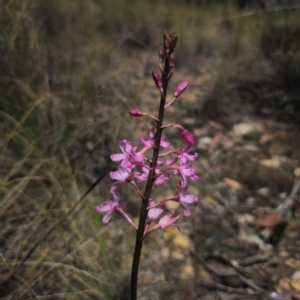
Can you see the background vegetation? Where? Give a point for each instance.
(69, 71)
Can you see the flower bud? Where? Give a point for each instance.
(172, 39)
(188, 137)
(136, 113)
(161, 56)
(157, 79)
(167, 48)
(181, 87)
(171, 72)
(172, 60)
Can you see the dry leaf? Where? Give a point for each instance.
(271, 163)
(215, 125)
(231, 242)
(165, 252)
(186, 272)
(292, 262)
(211, 200)
(265, 138)
(202, 273)
(215, 141)
(204, 142)
(293, 225)
(295, 284)
(182, 241)
(247, 127)
(233, 183)
(228, 144)
(297, 172)
(178, 255)
(296, 276)
(264, 191)
(268, 220)
(188, 121)
(283, 283)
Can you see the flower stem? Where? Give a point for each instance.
(150, 181)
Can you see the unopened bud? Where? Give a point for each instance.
(161, 56)
(188, 137)
(136, 113)
(180, 89)
(171, 72)
(172, 60)
(157, 79)
(174, 41)
(161, 67)
(167, 48)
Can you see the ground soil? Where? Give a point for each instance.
(242, 240)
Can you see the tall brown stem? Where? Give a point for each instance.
(143, 212)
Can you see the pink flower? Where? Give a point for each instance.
(136, 113)
(129, 158)
(188, 137)
(182, 155)
(184, 171)
(154, 213)
(122, 175)
(183, 199)
(159, 180)
(168, 220)
(185, 135)
(165, 221)
(110, 206)
(180, 88)
(151, 140)
(157, 79)
(185, 157)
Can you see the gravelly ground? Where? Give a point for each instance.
(241, 241)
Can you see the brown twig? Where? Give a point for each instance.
(285, 208)
(220, 274)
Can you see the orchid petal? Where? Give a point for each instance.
(105, 206)
(106, 217)
(168, 220)
(189, 198)
(117, 157)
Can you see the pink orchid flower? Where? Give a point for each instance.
(161, 176)
(151, 141)
(168, 220)
(183, 199)
(129, 158)
(154, 213)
